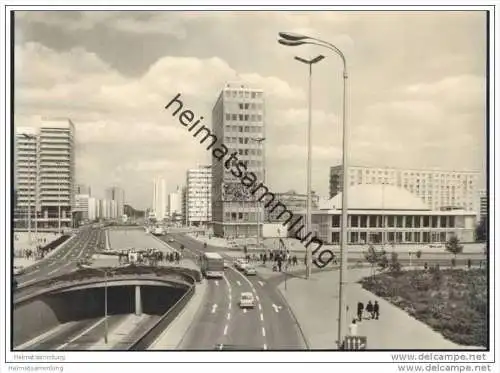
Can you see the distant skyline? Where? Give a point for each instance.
(416, 89)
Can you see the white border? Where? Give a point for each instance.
(176, 356)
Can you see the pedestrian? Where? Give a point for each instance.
(376, 310)
(271, 256)
(353, 328)
(369, 309)
(361, 307)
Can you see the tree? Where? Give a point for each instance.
(382, 260)
(394, 265)
(482, 230)
(453, 246)
(372, 258)
(418, 254)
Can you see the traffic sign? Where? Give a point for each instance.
(354, 342)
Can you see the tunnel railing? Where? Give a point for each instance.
(149, 336)
(89, 276)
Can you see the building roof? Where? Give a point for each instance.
(376, 197)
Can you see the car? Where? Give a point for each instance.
(171, 239)
(247, 300)
(240, 263)
(249, 270)
(226, 264)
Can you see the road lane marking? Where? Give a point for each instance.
(265, 346)
(54, 271)
(276, 308)
(239, 283)
(81, 334)
(257, 297)
(263, 332)
(228, 316)
(225, 329)
(214, 308)
(260, 307)
(229, 307)
(261, 283)
(216, 283)
(261, 317)
(244, 310)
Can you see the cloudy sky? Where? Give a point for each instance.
(416, 89)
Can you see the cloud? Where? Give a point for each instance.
(416, 88)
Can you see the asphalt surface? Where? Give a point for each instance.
(82, 245)
(270, 325)
(76, 335)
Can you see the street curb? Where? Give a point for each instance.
(51, 253)
(196, 317)
(304, 338)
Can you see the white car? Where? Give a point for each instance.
(247, 300)
(226, 264)
(250, 270)
(171, 239)
(240, 264)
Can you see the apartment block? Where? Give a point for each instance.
(45, 174)
(118, 195)
(198, 196)
(159, 210)
(238, 117)
(294, 202)
(439, 189)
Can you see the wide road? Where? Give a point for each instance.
(270, 325)
(82, 245)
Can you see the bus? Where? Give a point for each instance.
(212, 265)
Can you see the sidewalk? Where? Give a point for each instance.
(120, 333)
(26, 263)
(314, 303)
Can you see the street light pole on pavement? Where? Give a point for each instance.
(292, 39)
(309, 160)
(259, 140)
(30, 137)
(105, 298)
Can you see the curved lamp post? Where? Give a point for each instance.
(291, 40)
(259, 141)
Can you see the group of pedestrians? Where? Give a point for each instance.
(372, 311)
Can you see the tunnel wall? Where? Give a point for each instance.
(38, 315)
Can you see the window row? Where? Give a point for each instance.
(243, 94)
(244, 129)
(376, 221)
(244, 117)
(250, 106)
(240, 216)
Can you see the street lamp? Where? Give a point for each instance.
(259, 140)
(83, 266)
(292, 39)
(59, 174)
(309, 159)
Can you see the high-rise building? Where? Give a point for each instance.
(45, 173)
(175, 205)
(184, 205)
(26, 160)
(439, 189)
(238, 118)
(93, 208)
(483, 204)
(159, 198)
(82, 189)
(118, 195)
(198, 191)
(81, 207)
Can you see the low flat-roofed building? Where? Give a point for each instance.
(381, 213)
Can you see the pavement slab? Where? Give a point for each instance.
(314, 303)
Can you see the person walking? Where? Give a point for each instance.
(376, 310)
(361, 307)
(369, 309)
(353, 328)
